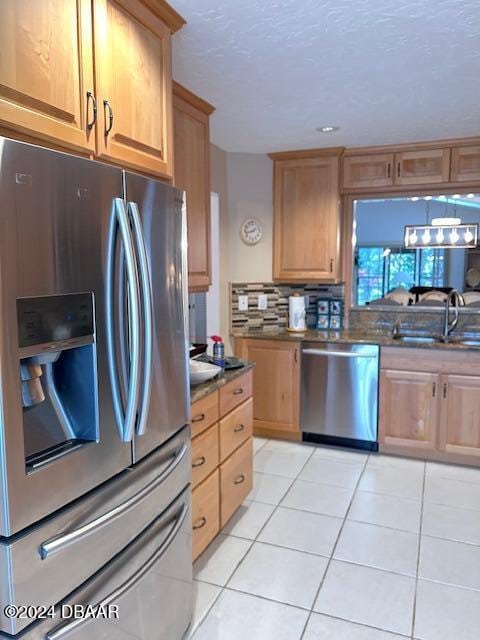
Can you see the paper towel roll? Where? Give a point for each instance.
(296, 313)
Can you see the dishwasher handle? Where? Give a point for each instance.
(337, 354)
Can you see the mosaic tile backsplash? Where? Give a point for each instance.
(276, 314)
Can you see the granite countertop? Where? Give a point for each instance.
(349, 337)
(199, 391)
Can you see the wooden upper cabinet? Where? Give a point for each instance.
(276, 384)
(192, 173)
(465, 164)
(306, 217)
(460, 415)
(46, 70)
(429, 166)
(134, 86)
(408, 409)
(365, 171)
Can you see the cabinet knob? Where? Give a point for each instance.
(199, 418)
(239, 428)
(399, 169)
(238, 391)
(240, 479)
(91, 97)
(331, 265)
(199, 462)
(389, 170)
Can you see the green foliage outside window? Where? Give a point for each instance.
(380, 269)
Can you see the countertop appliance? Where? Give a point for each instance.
(94, 447)
(339, 394)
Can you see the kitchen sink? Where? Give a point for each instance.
(417, 339)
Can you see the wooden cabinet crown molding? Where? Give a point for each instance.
(412, 146)
(306, 153)
(179, 91)
(166, 13)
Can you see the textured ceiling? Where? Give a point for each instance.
(385, 71)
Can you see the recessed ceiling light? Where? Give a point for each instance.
(428, 198)
(327, 128)
(470, 195)
(456, 196)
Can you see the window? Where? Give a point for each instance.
(380, 269)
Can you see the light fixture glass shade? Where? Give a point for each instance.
(468, 236)
(426, 236)
(440, 236)
(454, 237)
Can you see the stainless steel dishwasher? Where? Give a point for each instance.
(339, 394)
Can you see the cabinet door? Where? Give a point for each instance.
(466, 164)
(134, 86)
(46, 70)
(374, 170)
(276, 385)
(408, 409)
(422, 167)
(192, 173)
(306, 219)
(460, 415)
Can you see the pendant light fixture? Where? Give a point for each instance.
(446, 232)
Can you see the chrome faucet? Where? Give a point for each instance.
(448, 327)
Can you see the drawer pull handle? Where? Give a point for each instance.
(199, 418)
(238, 391)
(239, 428)
(199, 462)
(240, 479)
(201, 523)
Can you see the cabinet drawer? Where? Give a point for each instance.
(204, 454)
(235, 428)
(204, 412)
(235, 392)
(235, 480)
(205, 513)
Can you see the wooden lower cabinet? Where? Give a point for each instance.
(408, 409)
(204, 454)
(236, 428)
(222, 458)
(276, 386)
(205, 513)
(434, 413)
(236, 480)
(460, 416)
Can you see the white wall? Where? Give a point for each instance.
(244, 183)
(250, 187)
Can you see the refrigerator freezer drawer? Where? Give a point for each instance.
(51, 560)
(145, 592)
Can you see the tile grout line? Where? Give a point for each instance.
(334, 548)
(419, 551)
(252, 542)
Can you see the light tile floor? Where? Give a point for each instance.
(340, 545)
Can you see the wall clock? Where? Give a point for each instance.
(251, 231)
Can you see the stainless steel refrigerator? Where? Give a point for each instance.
(94, 442)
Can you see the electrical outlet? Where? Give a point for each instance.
(243, 303)
(262, 301)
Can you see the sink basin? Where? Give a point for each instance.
(202, 371)
(418, 339)
(470, 343)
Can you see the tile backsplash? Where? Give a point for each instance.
(276, 313)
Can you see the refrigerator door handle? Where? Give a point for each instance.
(184, 246)
(118, 220)
(146, 290)
(175, 525)
(58, 543)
